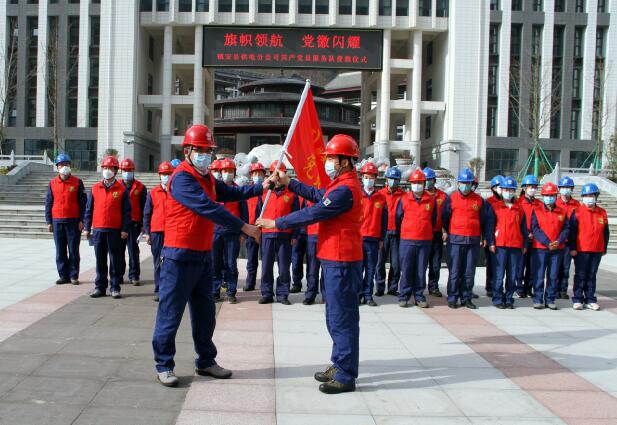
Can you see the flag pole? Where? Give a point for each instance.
(290, 133)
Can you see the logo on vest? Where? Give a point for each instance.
(114, 194)
(600, 220)
(560, 217)
(475, 207)
(286, 199)
(378, 205)
(439, 201)
(71, 188)
(136, 193)
(428, 207)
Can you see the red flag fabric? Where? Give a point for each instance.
(307, 146)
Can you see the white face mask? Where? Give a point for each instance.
(164, 180)
(417, 187)
(330, 168)
(392, 183)
(530, 191)
(257, 179)
(65, 170)
(216, 175)
(565, 191)
(507, 195)
(108, 174)
(368, 183)
(227, 177)
(589, 201)
(201, 161)
(499, 191)
(128, 175)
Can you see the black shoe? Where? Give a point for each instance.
(371, 303)
(393, 292)
(97, 293)
(217, 298)
(156, 298)
(474, 296)
(403, 303)
(325, 376)
(248, 288)
(75, 281)
(336, 387)
(453, 305)
(232, 299)
(308, 302)
(436, 293)
(489, 293)
(470, 305)
(500, 306)
(509, 306)
(379, 293)
(285, 301)
(295, 289)
(521, 294)
(62, 281)
(564, 296)
(266, 300)
(214, 371)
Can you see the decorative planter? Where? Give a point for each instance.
(402, 161)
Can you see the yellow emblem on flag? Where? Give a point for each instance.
(600, 220)
(475, 207)
(71, 188)
(114, 194)
(286, 198)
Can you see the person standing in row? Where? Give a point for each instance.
(436, 254)
(298, 252)
(154, 221)
(490, 257)
(65, 205)
(527, 201)
(566, 202)
(257, 173)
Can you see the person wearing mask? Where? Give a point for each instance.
(191, 211)
(436, 254)
(215, 169)
(490, 257)
(527, 201)
(154, 221)
(550, 228)
(338, 210)
(374, 226)
(588, 241)
(65, 204)
(137, 195)
(257, 174)
(415, 217)
(390, 250)
(464, 220)
(107, 221)
(566, 202)
(507, 238)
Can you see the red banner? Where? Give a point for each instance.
(306, 147)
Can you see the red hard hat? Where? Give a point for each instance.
(342, 144)
(227, 164)
(257, 166)
(417, 176)
(166, 168)
(127, 164)
(110, 161)
(274, 164)
(549, 189)
(199, 136)
(215, 165)
(369, 168)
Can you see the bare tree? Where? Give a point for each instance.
(600, 112)
(8, 83)
(611, 155)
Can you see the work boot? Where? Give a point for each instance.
(326, 376)
(336, 387)
(564, 296)
(75, 281)
(552, 306)
(248, 288)
(295, 289)
(266, 300)
(538, 306)
(62, 281)
(500, 306)
(403, 303)
(474, 296)
(509, 306)
(393, 292)
(469, 304)
(422, 304)
(232, 299)
(97, 293)
(371, 303)
(452, 305)
(379, 293)
(156, 297)
(436, 293)
(135, 282)
(308, 301)
(116, 295)
(214, 371)
(285, 301)
(168, 378)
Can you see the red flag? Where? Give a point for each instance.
(306, 147)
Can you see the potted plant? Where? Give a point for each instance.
(403, 158)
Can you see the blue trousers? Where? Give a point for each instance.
(434, 262)
(133, 248)
(390, 251)
(564, 271)
(414, 262)
(545, 264)
(298, 251)
(281, 249)
(341, 286)
(252, 262)
(182, 282)
(462, 270)
(312, 269)
(156, 241)
(586, 266)
(107, 243)
(507, 263)
(67, 237)
(369, 264)
(225, 251)
(524, 279)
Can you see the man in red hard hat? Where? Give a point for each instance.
(257, 173)
(106, 221)
(137, 195)
(191, 211)
(154, 220)
(338, 209)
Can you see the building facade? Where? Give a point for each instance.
(131, 78)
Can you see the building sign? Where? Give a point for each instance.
(284, 47)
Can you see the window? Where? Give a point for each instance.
(492, 79)
(38, 146)
(429, 53)
(538, 5)
(145, 6)
(72, 1)
(281, 6)
(580, 159)
(494, 5)
(31, 66)
(560, 5)
(575, 117)
(226, 143)
(225, 5)
(513, 121)
(149, 121)
(429, 89)
(402, 8)
(424, 7)
(93, 105)
(558, 33)
(385, 7)
(493, 42)
(442, 8)
(345, 7)
(235, 111)
(556, 124)
(305, 6)
(515, 41)
(242, 6)
(185, 5)
(601, 6)
(8, 146)
(82, 153)
(264, 6)
(361, 7)
(536, 40)
(491, 120)
(150, 84)
(501, 161)
(580, 6)
(202, 5)
(427, 127)
(578, 41)
(322, 7)
(162, 5)
(600, 42)
(151, 48)
(576, 82)
(517, 5)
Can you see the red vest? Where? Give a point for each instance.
(392, 199)
(312, 229)
(158, 197)
(278, 205)
(528, 207)
(591, 225)
(340, 238)
(372, 208)
(567, 206)
(184, 228)
(508, 225)
(551, 223)
(66, 197)
(233, 207)
(251, 204)
(107, 208)
(465, 216)
(417, 222)
(135, 195)
(440, 197)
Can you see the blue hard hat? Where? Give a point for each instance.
(62, 157)
(465, 176)
(429, 173)
(566, 181)
(497, 181)
(508, 183)
(529, 179)
(590, 189)
(393, 173)
(175, 162)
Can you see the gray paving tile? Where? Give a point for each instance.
(32, 413)
(331, 419)
(140, 394)
(44, 390)
(75, 366)
(20, 363)
(407, 420)
(423, 402)
(29, 345)
(126, 416)
(98, 348)
(512, 403)
(7, 382)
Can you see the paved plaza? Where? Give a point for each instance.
(68, 359)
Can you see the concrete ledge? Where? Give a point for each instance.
(21, 171)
